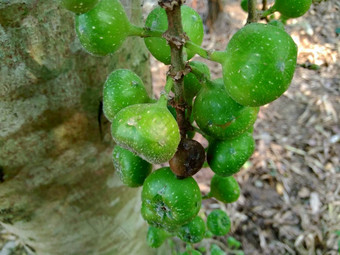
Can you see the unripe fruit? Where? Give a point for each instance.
(79, 6)
(103, 29)
(191, 252)
(225, 158)
(224, 189)
(259, 64)
(218, 115)
(149, 130)
(156, 237)
(292, 8)
(132, 169)
(218, 222)
(193, 232)
(244, 5)
(121, 89)
(168, 202)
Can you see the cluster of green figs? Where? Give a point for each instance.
(258, 65)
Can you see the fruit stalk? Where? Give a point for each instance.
(212, 55)
(176, 39)
(268, 12)
(165, 94)
(143, 32)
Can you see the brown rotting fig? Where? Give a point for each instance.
(188, 159)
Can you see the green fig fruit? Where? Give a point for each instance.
(218, 115)
(79, 6)
(148, 130)
(193, 232)
(121, 89)
(132, 169)
(224, 189)
(225, 158)
(103, 29)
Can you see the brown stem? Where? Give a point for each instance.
(176, 39)
(252, 12)
(264, 5)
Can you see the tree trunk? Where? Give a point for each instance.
(215, 7)
(59, 192)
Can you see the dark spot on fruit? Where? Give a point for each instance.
(188, 159)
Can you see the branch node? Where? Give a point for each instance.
(178, 75)
(169, 4)
(177, 41)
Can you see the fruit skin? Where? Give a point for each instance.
(225, 158)
(188, 159)
(132, 169)
(224, 189)
(192, 84)
(148, 130)
(156, 236)
(292, 8)
(277, 23)
(233, 243)
(168, 202)
(193, 232)
(172, 110)
(157, 20)
(259, 64)
(191, 252)
(103, 29)
(244, 5)
(218, 222)
(79, 6)
(218, 115)
(215, 250)
(121, 89)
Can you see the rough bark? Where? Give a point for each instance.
(59, 192)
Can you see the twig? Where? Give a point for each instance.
(176, 39)
(144, 32)
(216, 56)
(252, 12)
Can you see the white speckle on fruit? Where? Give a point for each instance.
(132, 122)
(281, 66)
